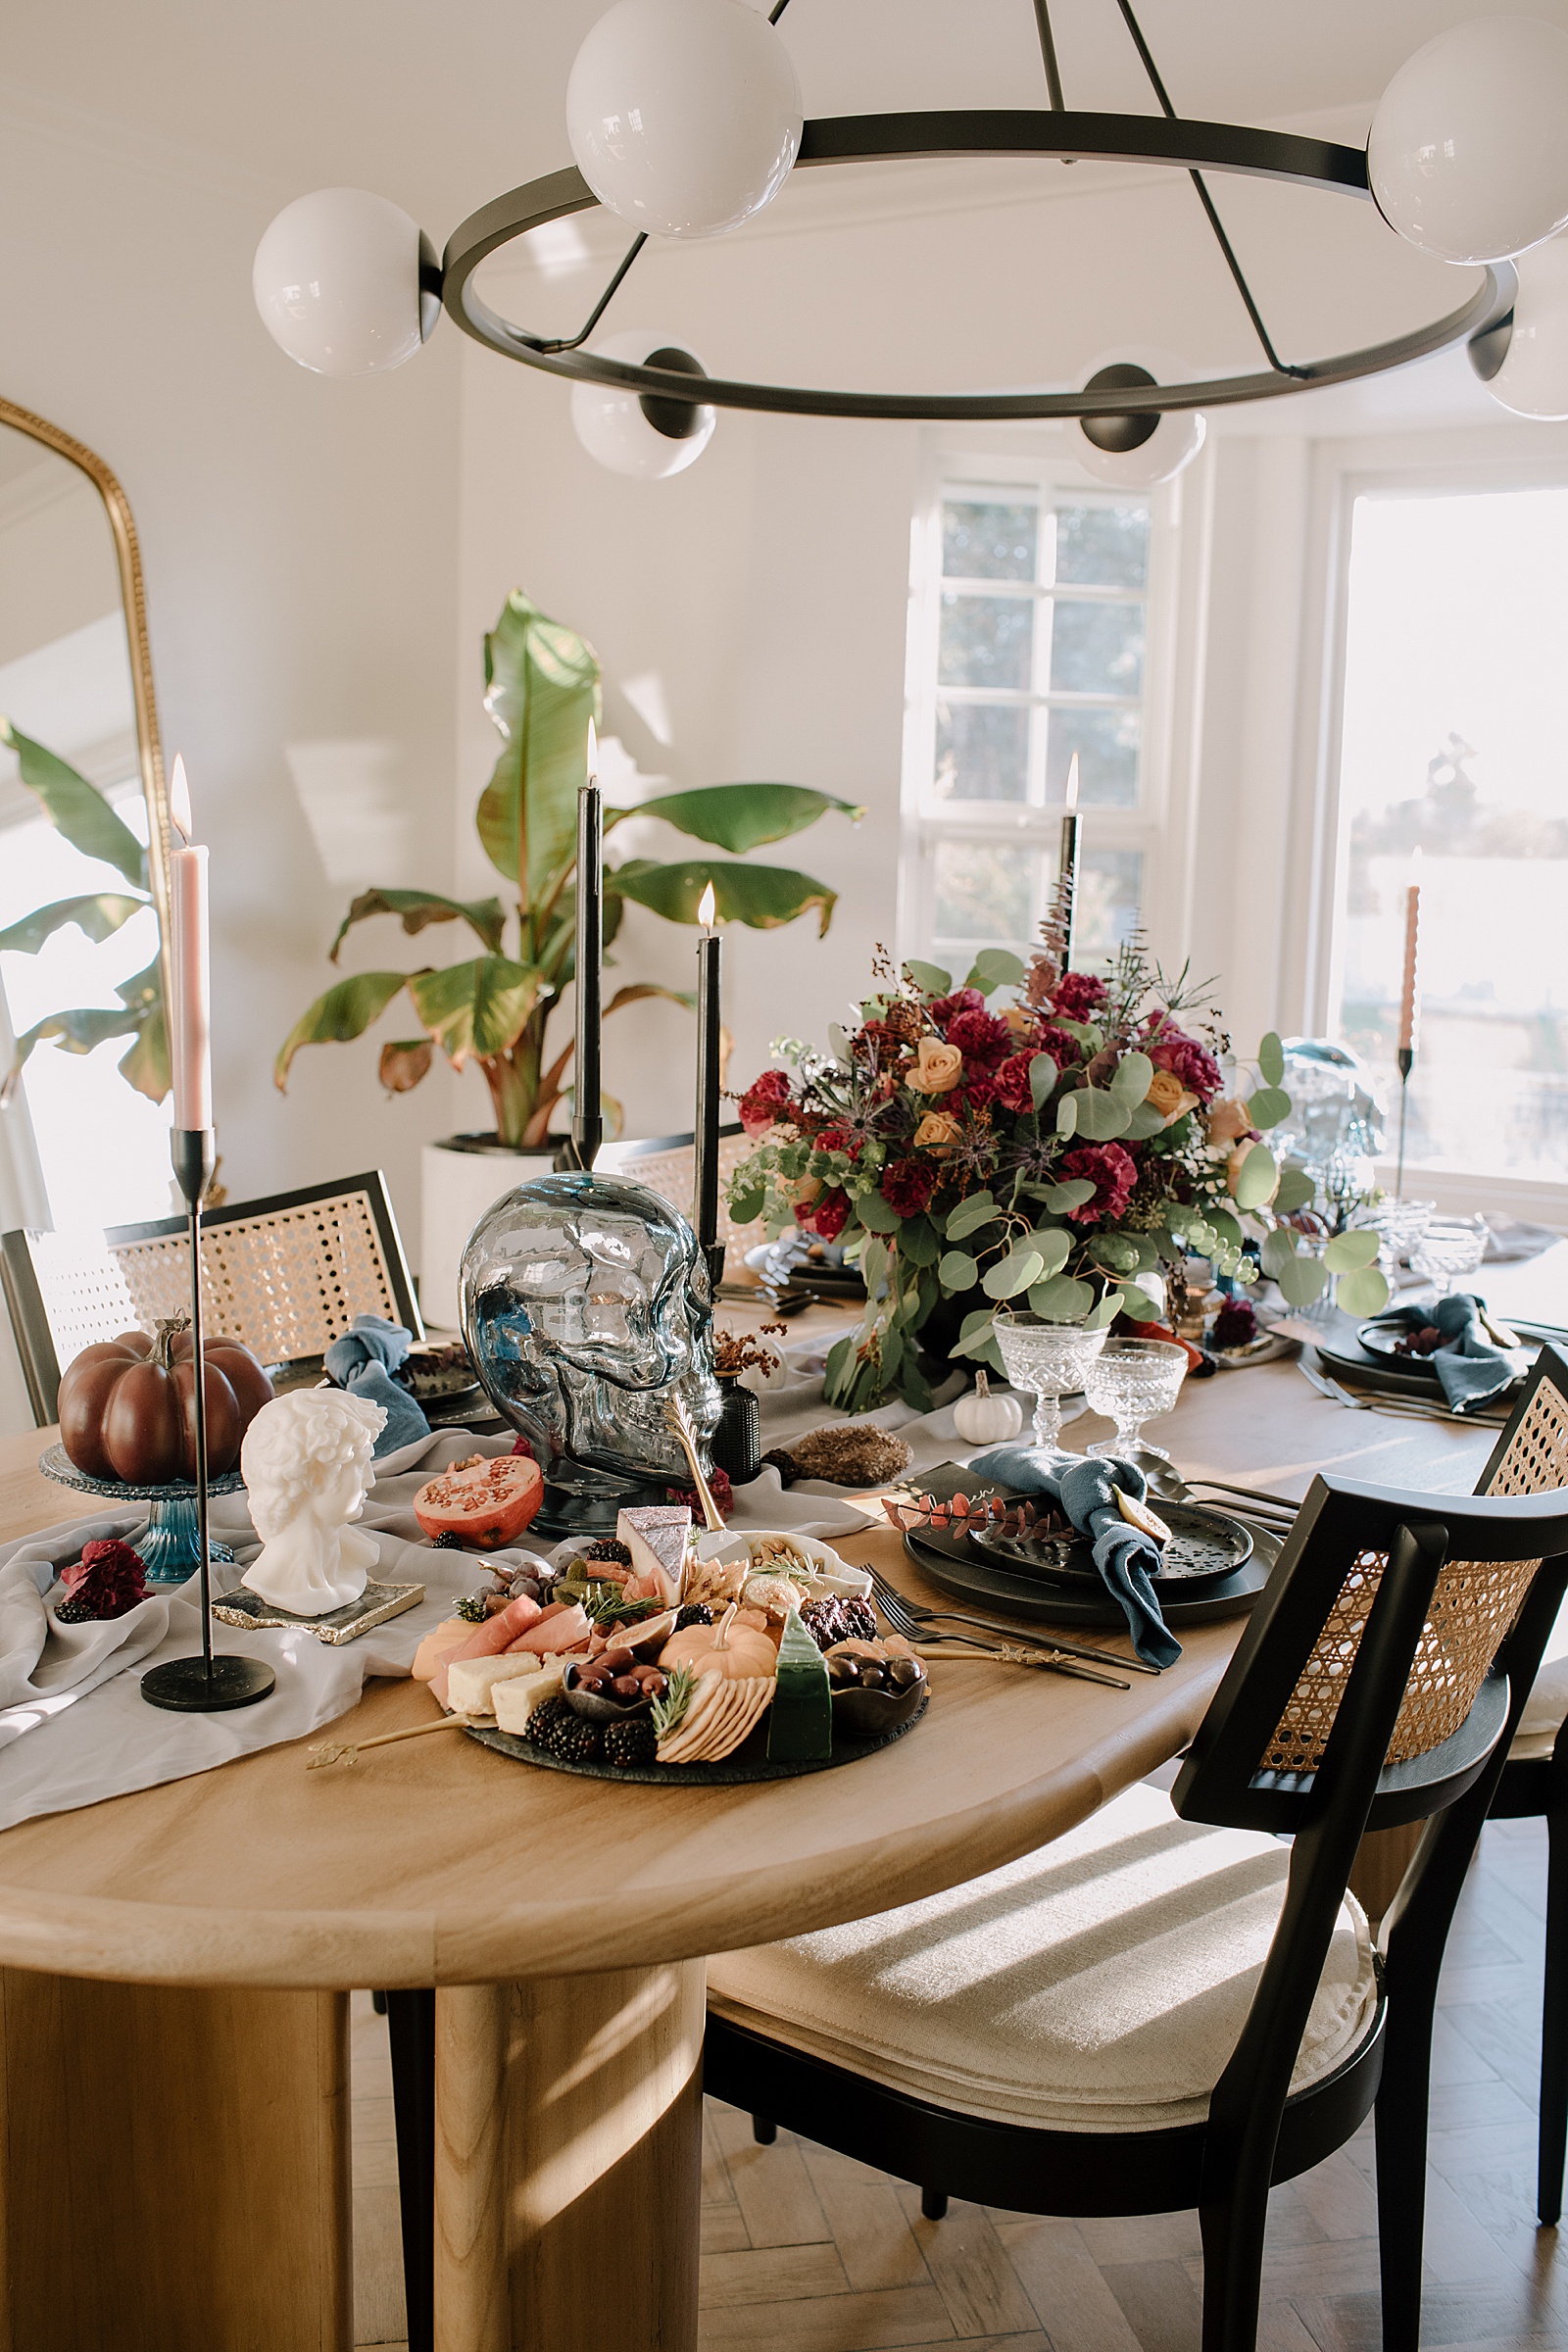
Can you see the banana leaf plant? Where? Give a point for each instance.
(494, 1008)
(80, 810)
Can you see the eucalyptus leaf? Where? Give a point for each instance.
(979, 1344)
(1137, 1304)
(1269, 1107)
(76, 808)
(1362, 1292)
(762, 896)
(1099, 1115)
(994, 968)
(1271, 1058)
(1297, 1191)
(875, 1214)
(1115, 1250)
(873, 1265)
(1070, 1194)
(1043, 1076)
(739, 816)
(958, 1272)
(1279, 1248)
(1302, 1281)
(1053, 1247)
(1022, 1265)
(1062, 1300)
(97, 916)
(929, 976)
(1255, 1182)
(1143, 1121)
(1067, 1115)
(1348, 1253)
(977, 1209)
(918, 1241)
(1132, 1078)
(1108, 1308)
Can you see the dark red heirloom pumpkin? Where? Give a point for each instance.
(127, 1407)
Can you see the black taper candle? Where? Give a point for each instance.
(587, 1113)
(709, 1003)
(1068, 886)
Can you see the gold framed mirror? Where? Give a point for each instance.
(85, 842)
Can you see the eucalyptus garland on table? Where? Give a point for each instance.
(1035, 1139)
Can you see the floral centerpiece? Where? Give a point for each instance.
(1037, 1139)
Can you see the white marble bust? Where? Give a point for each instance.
(306, 1468)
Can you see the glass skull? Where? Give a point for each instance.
(586, 1309)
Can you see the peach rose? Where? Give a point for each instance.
(1233, 1166)
(938, 1131)
(1228, 1122)
(802, 1191)
(937, 1069)
(1168, 1096)
(1022, 1020)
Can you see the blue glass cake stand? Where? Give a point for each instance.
(168, 1545)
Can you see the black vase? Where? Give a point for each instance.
(939, 1333)
(736, 1445)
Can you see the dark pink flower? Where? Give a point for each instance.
(962, 1000)
(108, 1580)
(980, 1037)
(1063, 1049)
(765, 1102)
(1171, 1049)
(1012, 1081)
(908, 1184)
(979, 1089)
(829, 1216)
(838, 1139)
(1111, 1171)
(1076, 995)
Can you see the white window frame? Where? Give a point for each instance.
(1487, 459)
(1046, 468)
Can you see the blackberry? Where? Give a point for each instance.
(449, 1539)
(570, 1739)
(75, 1612)
(631, 1742)
(610, 1547)
(839, 1620)
(696, 1612)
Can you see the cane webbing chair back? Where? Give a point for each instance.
(1531, 1457)
(667, 1166)
(286, 1275)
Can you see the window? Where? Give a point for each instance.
(1455, 773)
(1030, 639)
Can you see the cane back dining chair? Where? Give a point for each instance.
(285, 1275)
(667, 1166)
(1166, 2008)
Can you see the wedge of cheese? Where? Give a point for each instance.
(470, 1682)
(516, 1697)
(656, 1535)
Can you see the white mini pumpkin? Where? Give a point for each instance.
(984, 1419)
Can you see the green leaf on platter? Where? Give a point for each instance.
(1348, 1252)
(970, 1214)
(1070, 1194)
(919, 1244)
(764, 897)
(1106, 1313)
(958, 1272)
(414, 909)
(739, 816)
(1022, 1265)
(541, 690)
(477, 1007)
(1363, 1292)
(1138, 1307)
(76, 807)
(1043, 1076)
(929, 976)
(1269, 1107)
(1279, 1247)
(875, 1214)
(1255, 1182)
(1132, 1078)
(97, 916)
(1054, 1247)
(1116, 1251)
(144, 1064)
(1143, 1120)
(1271, 1058)
(1100, 1115)
(1302, 1281)
(344, 1011)
(1067, 1115)
(994, 968)
(1297, 1191)
(1062, 1300)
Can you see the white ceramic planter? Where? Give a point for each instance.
(458, 1184)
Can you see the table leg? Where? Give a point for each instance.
(569, 2163)
(174, 2168)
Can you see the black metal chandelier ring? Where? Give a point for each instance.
(1045, 132)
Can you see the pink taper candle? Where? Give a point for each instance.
(190, 1027)
(1407, 997)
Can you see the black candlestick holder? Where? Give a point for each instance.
(207, 1685)
(1405, 1061)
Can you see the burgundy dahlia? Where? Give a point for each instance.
(108, 1580)
(980, 1037)
(1111, 1171)
(827, 1216)
(765, 1102)
(1063, 1049)
(1171, 1049)
(943, 1009)
(908, 1184)
(1012, 1081)
(1077, 995)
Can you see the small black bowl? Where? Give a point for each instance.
(871, 1714)
(597, 1709)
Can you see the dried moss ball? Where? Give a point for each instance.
(851, 1455)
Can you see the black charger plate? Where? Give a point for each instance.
(1207, 1548)
(1344, 1348)
(960, 1568)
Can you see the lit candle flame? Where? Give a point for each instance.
(593, 752)
(179, 815)
(1071, 801)
(707, 909)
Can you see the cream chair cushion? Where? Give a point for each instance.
(1096, 1985)
(1542, 1718)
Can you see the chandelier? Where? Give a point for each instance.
(685, 119)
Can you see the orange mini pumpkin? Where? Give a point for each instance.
(727, 1648)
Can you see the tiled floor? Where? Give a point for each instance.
(819, 2254)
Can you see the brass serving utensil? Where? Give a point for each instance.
(344, 1751)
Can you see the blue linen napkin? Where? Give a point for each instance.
(1475, 1372)
(1087, 1491)
(362, 1361)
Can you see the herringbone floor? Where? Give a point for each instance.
(813, 2253)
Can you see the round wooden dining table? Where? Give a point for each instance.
(175, 1965)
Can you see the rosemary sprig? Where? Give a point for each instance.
(670, 1711)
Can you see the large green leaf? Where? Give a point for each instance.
(76, 807)
(1364, 1291)
(1256, 1178)
(78, 1030)
(98, 916)
(1347, 1252)
(929, 976)
(1297, 1191)
(762, 896)
(477, 1007)
(994, 968)
(1271, 1058)
(417, 907)
(542, 688)
(1062, 1300)
(977, 1209)
(1043, 1076)
(346, 1010)
(1130, 1079)
(144, 1064)
(739, 816)
(1099, 1115)
(1023, 1266)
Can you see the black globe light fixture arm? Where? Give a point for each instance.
(1048, 133)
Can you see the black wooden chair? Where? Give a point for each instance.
(1378, 1683)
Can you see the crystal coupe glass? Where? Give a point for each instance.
(1131, 1382)
(1449, 1248)
(1051, 1359)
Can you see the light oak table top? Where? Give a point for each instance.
(442, 1862)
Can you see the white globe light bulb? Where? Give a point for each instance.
(1532, 379)
(616, 429)
(337, 281)
(684, 114)
(1466, 157)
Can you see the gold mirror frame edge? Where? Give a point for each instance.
(128, 553)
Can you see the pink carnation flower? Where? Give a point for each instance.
(765, 1101)
(1171, 1049)
(1077, 995)
(980, 1037)
(1111, 1171)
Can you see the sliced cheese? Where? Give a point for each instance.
(439, 1645)
(516, 1697)
(656, 1535)
(471, 1680)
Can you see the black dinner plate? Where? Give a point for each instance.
(1348, 1347)
(964, 1571)
(1207, 1548)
